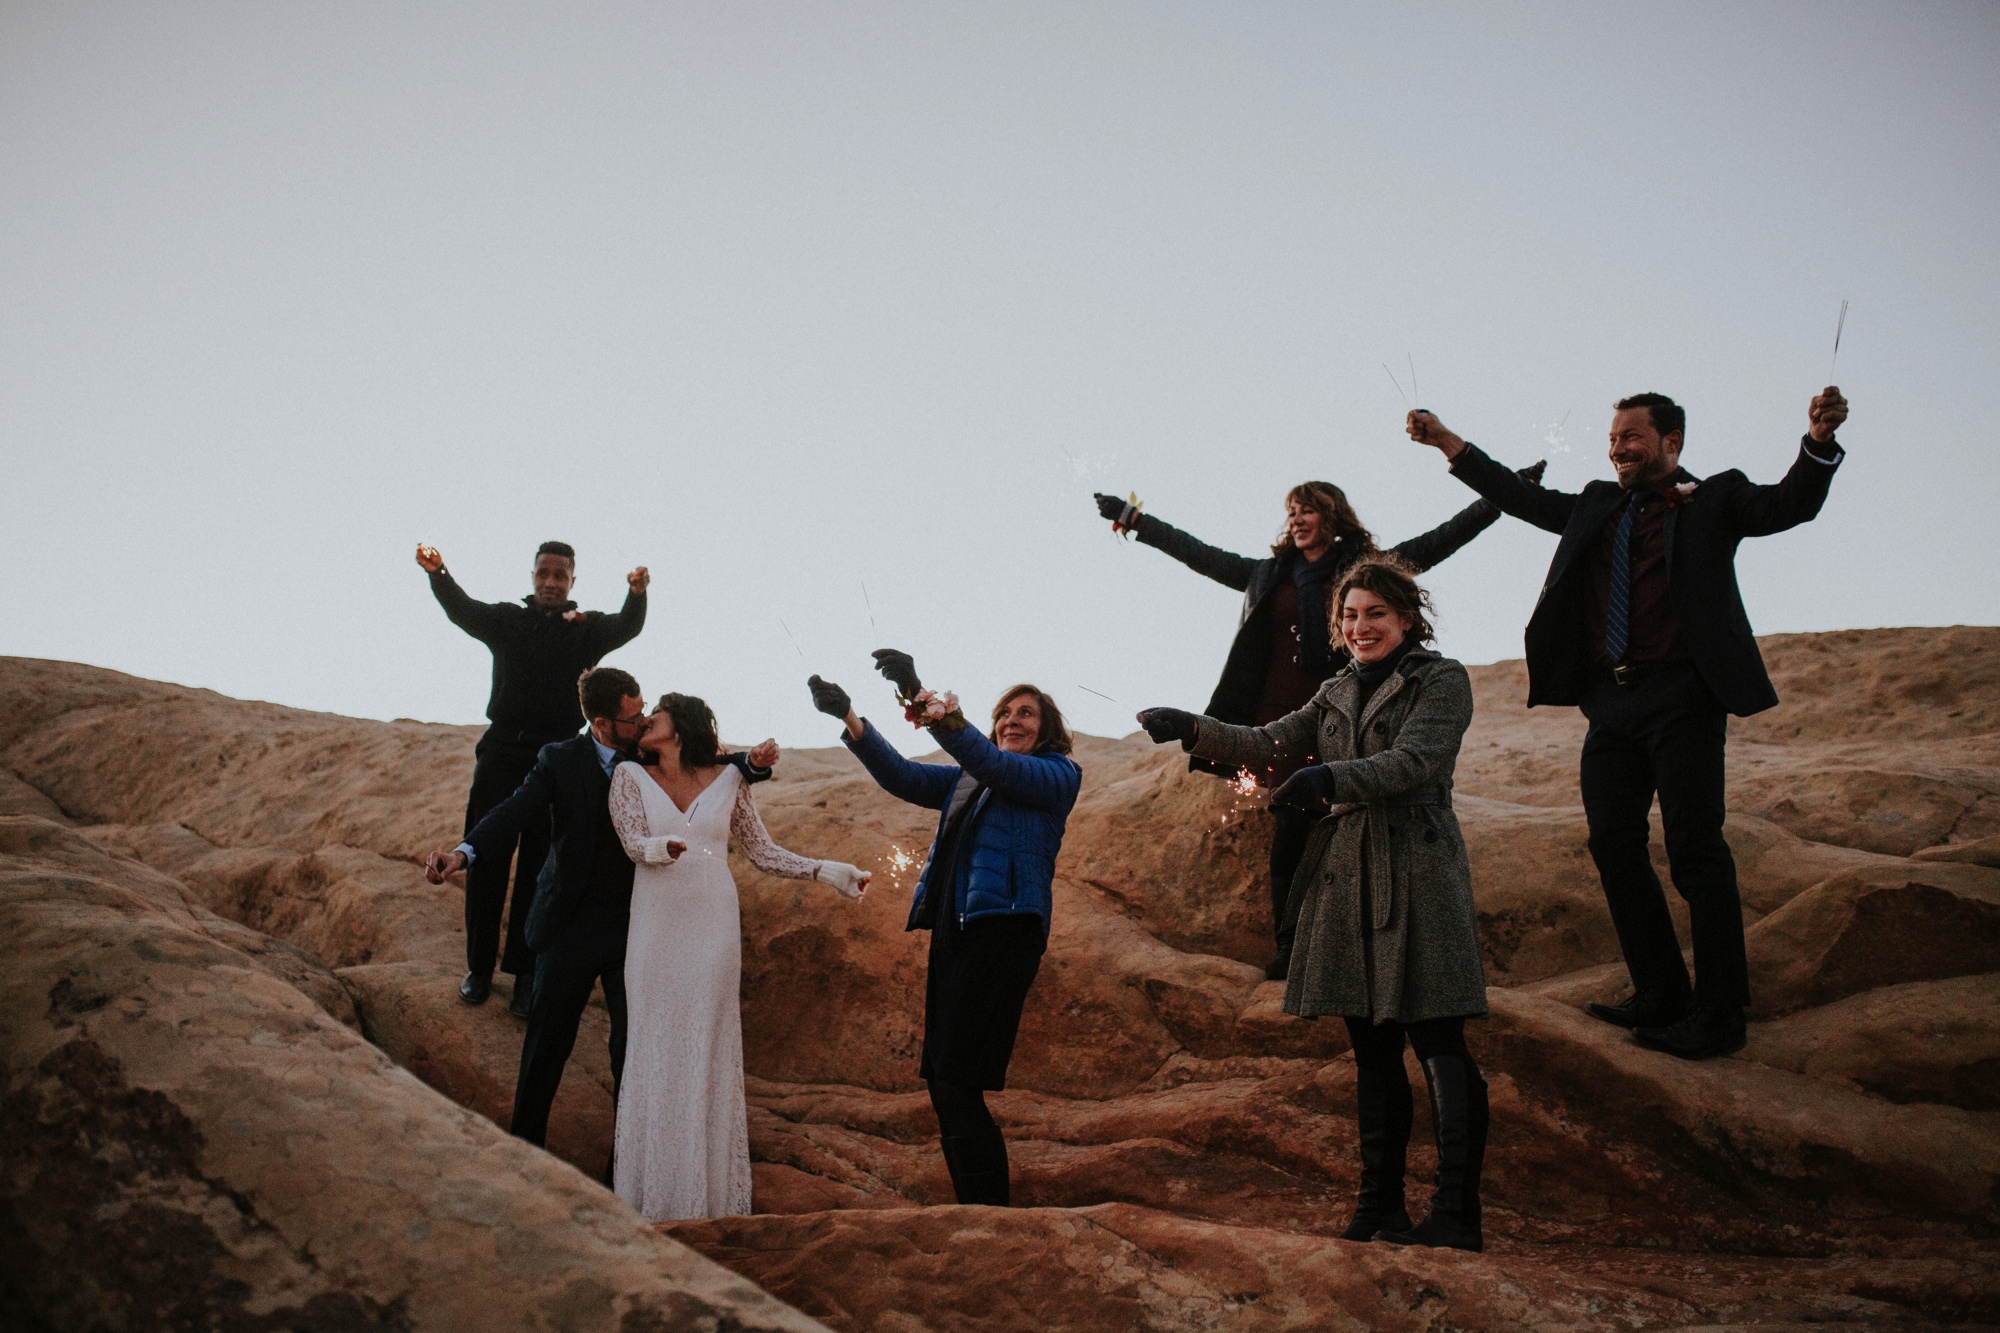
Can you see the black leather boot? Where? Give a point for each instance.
(1383, 1110)
(1459, 1111)
(978, 1165)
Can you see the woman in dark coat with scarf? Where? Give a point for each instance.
(1283, 647)
(984, 893)
(1386, 934)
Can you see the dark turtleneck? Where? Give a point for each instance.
(1370, 675)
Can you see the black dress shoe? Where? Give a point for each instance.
(1280, 967)
(1702, 1034)
(524, 991)
(475, 989)
(1647, 1009)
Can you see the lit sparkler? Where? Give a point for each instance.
(1837, 328)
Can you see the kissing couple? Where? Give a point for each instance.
(636, 894)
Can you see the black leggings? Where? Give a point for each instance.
(1378, 1047)
(961, 1110)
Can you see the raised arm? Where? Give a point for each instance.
(623, 625)
(1225, 567)
(479, 619)
(628, 816)
(1426, 748)
(1042, 781)
(1759, 511)
(1443, 541)
(533, 799)
(1516, 493)
(928, 785)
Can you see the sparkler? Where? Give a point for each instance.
(1398, 383)
(1413, 378)
(795, 643)
(1099, 693)
(898, 861)
(870, 604)
(1837, 328)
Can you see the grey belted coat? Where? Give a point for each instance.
(1383, 894)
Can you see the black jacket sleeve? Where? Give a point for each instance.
(479, 619)
(1529, 501)
(1759, 511)
(533, 799)
(750, 771)
(1224, 567)
(1443, 541)
(621, 626)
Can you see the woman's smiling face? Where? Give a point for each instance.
(1370, 627)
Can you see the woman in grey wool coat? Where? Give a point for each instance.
(1383, 896)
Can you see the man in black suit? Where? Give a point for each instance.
(577, 922)
(1641, 626)
(539, 646)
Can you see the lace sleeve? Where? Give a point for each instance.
(628, 811)
(747, 827)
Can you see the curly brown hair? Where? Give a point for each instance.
(1336, 515)
(694, 723)
(1395, 583)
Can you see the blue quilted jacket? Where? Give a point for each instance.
(1017, 829)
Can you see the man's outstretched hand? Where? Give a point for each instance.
(1168, 724)
(765, 755)
(439, 866)
(1828, 410)
(638, 580)
(1533, 472)
(900, 669)
(1425, 428)
(428, 559)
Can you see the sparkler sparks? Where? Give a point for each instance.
(1554, 439)
(898, 861)
(1837, 329)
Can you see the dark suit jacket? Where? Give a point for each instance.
(580, 876)
(1702, 533)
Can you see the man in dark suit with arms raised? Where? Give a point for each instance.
(1640, 625)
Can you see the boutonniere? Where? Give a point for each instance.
(1681, 493)
(931, 709)
(574, 616)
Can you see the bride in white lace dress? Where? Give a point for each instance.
(683, 1143)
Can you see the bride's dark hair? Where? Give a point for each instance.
(694, 723)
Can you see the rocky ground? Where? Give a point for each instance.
(225, 967)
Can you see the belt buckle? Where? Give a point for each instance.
(1623, 674)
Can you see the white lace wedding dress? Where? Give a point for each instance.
(683, 1140)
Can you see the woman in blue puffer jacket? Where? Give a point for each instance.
(984, 893)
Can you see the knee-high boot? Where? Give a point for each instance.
(1383, 1112)
(1459, 1111)
(978, 1165)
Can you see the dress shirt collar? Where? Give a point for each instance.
(607, 758)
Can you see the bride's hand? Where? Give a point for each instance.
(848, 881)
(664, 851)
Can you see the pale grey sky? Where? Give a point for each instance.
(782, 299)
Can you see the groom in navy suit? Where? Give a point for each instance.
(583, 899)
(1640, 625)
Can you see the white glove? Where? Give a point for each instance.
(662, 851)
(846, 880)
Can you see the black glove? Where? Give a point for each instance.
(1310, 786)
(900, 669)
(1533, 472)
(829, 698)
(1168, 724)
(1109, 506)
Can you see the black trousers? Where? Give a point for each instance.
(1291, 827)
(497, 770)
(586, 952)
(1379, 1046)
(1665, 735)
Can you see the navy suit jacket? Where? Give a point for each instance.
(1702, 534)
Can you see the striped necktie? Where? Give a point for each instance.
(1618, 610)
